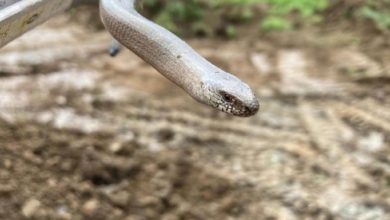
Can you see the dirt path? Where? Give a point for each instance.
(86, 136)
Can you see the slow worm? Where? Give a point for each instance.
(168, 54)
(176, 60)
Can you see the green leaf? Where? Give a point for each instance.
(274, 23)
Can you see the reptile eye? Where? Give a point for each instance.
(227, 98)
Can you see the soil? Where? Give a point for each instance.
(87, 136)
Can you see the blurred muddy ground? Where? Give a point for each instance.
(87, 136)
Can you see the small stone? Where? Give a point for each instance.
(154, 147)
(31, 207)
(67, 166)
(151, 213)
(149, 201)
(374, 142)
(90, 206)
(28, 155)
(66, 216)
(5, 189)
(62, 209)
(127, 137)
(52, 182)
(237, 167)
(115, 147)
(7, 163)
(87, 98)
(61, 100)
(151, 168)
(118, 212)
(120, 199)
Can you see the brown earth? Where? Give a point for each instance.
(86, 136)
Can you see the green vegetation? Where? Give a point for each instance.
(378, 12)
(280, 9)
(210, 17)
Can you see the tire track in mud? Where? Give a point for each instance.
(324, 139)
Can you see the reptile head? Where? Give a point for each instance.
(229, 94)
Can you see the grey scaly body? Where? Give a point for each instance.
(171, 56)
(176, 60)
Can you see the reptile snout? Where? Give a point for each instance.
(254, 108)
(250, 110)
(242, 108)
